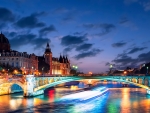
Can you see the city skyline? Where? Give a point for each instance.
(93, 36)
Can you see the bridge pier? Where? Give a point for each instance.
(29, 86)
(148, 92)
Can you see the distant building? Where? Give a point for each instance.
(28, 63)
(55, 65)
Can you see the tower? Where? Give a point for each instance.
(48, 57)
(4, 43)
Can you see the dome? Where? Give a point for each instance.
(5, 46)
(3, 39)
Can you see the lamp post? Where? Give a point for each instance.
(42, 70)
(147, 70)
(111, 66)
(75, 67)
(43, 74)
(32, 69)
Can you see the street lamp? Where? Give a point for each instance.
(42, 70)
(32, 69)
(43, 74)
(147, 70)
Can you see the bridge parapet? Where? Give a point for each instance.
(36, 85)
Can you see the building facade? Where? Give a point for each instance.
(57, 66)
(28, 63)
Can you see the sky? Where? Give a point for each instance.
(92, 33)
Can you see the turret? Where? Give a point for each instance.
(48, 56)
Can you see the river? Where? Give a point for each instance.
(116, 100)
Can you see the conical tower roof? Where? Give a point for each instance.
(61, 59)
(47, 48)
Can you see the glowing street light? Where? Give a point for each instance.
(90, 73)
(75, 67)
(125, 72)
(111, 65)
(147, 70)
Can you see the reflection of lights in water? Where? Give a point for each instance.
(125, 102)
(37, 101)
(83, 107)
(51, 95)
(95, 105)
(15, 103)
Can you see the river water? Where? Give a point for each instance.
(116, 100)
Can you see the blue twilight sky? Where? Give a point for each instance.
(92, 33)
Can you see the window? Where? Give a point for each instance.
(17, 64)
(12, 64)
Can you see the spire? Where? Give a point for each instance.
(60, 59)
(47, 48)
(64, 59)
(67, 59)
(47, 45)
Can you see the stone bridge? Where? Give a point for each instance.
(33, 86)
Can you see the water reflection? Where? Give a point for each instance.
(117, 100)
(125, 101)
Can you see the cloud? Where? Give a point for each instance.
(47, 30)
(24, 39)
(136, 49)
(123, 61)
(91, 53)
(40, 42)
(105, 28)
(107, 64)
(123, 20)
(146, 6)
(84, 47)
(6, 15)
(70, 40)
(127, 23)
(67, 49)
(119, 44)
(78, 33)
(12, 34)
(30, 21)
(144, 57)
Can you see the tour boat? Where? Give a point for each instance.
(84, 95)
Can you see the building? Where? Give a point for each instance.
(28, 63)
(52, 65)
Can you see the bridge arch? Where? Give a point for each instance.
(5, 88)
(135, 81)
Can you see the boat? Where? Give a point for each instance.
(84, 95)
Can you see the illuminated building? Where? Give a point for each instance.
(30, 63)
(17, 59)
(55, 65)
